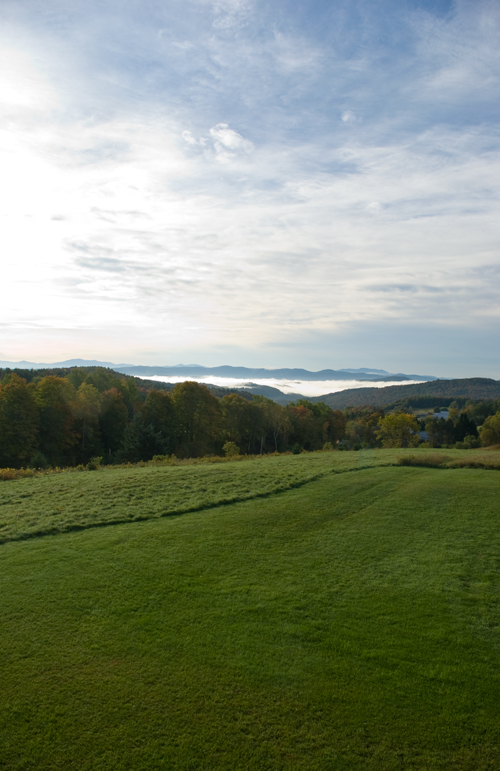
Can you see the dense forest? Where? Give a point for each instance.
(70, 417)
(65, 418)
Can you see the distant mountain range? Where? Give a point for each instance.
(67, 363)
(251, 373)
(433, 392)
(239, 373)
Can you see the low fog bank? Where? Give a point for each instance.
(296, 387)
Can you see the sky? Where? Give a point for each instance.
(277, 184)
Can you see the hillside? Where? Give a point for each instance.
(79, 373)
(481, 388)
(142, 384)
(347, 622)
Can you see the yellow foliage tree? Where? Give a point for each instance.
(398, 430)
(489, 432)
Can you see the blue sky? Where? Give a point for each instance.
(239, 182)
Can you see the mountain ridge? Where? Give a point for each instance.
(252, 373)
(240, 372)
(481, 388)
(68, 363)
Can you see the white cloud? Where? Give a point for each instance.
(189, 138)
(228, 143)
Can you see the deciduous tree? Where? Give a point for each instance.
(53, 396)
(86, 408)
(159, 412)
(198, 414)
(490, 430)
(19, 422)
(237, 419)
(399, 430)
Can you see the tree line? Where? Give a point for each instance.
(68, 418)
(66, 421)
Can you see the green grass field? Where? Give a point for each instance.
(72, 500)
(342, 614)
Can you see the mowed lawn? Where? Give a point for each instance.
(350, 623)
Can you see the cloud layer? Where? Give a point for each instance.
(234, 182)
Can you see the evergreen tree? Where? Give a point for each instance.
(159, 412)
(464, 427)
(142, 442)
(113, 420)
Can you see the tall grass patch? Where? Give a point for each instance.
(71, 500)
(426, 460)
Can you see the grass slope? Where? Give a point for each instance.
(75, 500)
(350, 623)
(70, 500)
